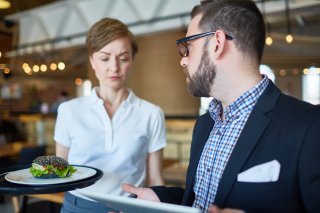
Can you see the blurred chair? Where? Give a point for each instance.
(28, 154)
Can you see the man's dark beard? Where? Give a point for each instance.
(200, 83)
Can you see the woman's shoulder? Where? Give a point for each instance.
(75, 103)
(148, 106)
(142, 103)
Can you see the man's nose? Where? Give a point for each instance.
(183, 61)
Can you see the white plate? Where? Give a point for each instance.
(127, 204)
(24, 176)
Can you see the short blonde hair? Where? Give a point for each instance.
(105, 31)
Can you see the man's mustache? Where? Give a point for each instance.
(185, 70)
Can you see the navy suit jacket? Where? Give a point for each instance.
(279, 128)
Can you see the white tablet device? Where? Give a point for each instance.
(128, 204)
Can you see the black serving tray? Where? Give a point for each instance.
(21, 189)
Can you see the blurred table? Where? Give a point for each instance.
(20, 203)
(12, 149)
(56, 197)
(175, 175)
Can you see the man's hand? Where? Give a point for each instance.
(142, 193)
(215, 209)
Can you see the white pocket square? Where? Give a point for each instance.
(266, 172)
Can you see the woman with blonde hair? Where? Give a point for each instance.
(112, 129)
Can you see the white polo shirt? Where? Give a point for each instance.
(119, 147)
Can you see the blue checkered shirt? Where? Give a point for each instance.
(220, 143)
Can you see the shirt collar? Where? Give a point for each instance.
(94, 98)
(132, 98)
(243, 105)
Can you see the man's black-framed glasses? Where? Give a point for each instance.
(183, 45)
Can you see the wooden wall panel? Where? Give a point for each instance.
(158, 76)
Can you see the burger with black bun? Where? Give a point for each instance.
(51, 167)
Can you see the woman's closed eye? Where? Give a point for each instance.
(123, 59)
(104, 59)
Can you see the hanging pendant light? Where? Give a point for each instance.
(289, 37)
(4, 4)
(269, 39)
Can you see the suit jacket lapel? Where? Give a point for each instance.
(255, 126)
(200, 135)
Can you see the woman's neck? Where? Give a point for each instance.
(112, 99)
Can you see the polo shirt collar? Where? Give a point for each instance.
(94, 98)
(132, 98)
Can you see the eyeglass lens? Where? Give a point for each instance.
(183, 49)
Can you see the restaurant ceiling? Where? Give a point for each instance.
(63, 24)
(16, 7)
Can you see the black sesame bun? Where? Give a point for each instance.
(51, 160)
(51, 167)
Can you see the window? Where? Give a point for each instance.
(311, 85)
(83, 87)
(266, 70)
(204, 105)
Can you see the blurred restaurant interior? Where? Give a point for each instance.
(42, 54)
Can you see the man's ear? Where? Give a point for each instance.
(220, 38)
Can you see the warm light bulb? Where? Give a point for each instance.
(53, 66)
(78, 81)
(269, 40)
(295, 71)
(25, 66)
(43, 67)
(61, 66)
(35, 68)
(282, 72)
(4, 4)
(28, 70)
(6, 70)
(289, 38)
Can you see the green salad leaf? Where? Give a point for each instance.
(67, 172)
(37, 173)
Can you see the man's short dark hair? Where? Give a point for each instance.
(238, 18)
